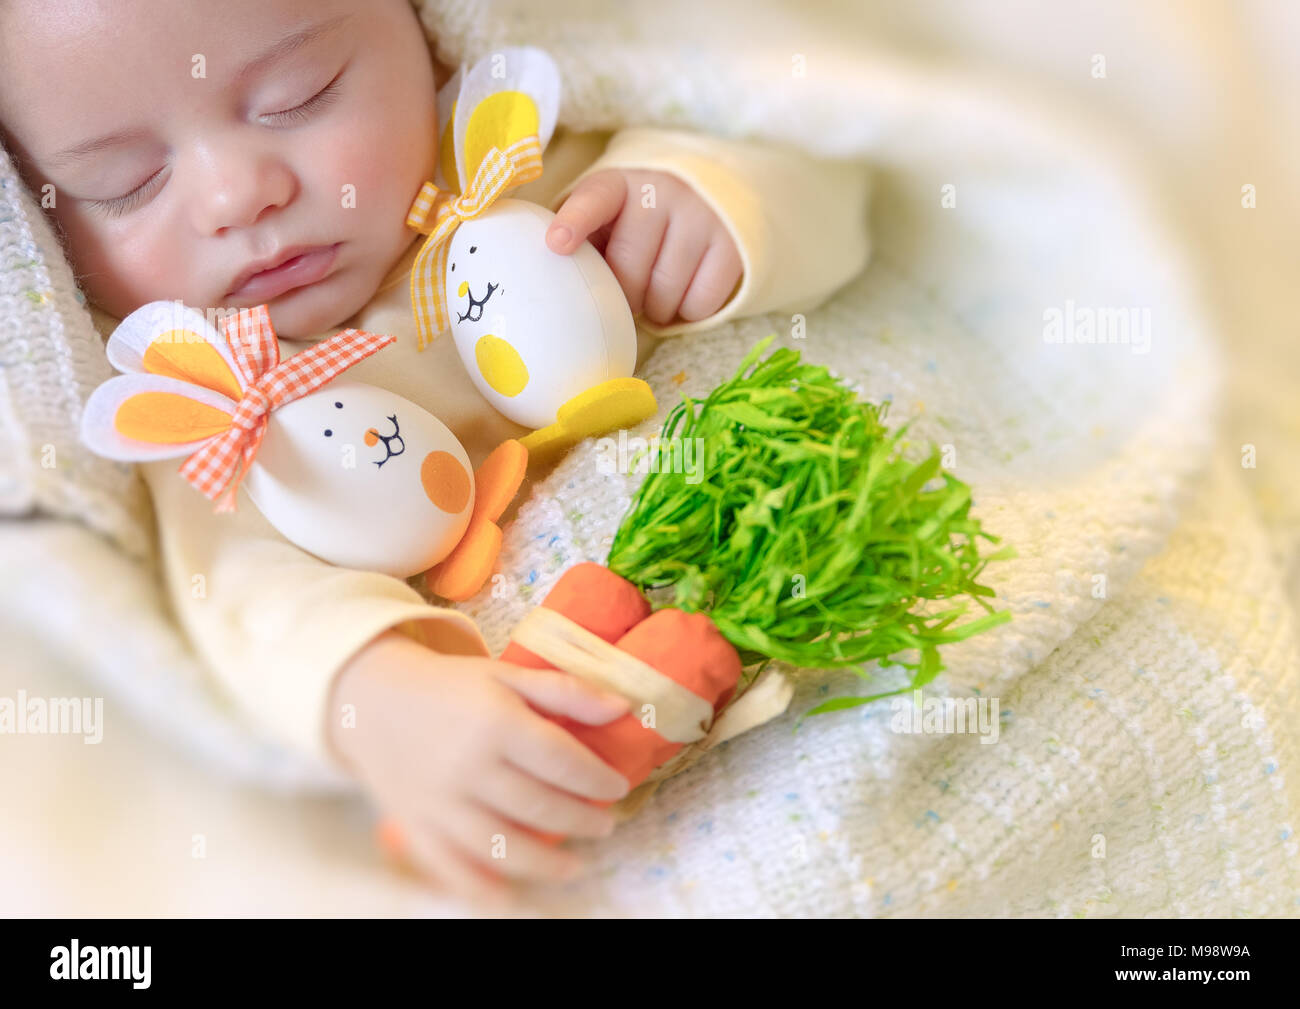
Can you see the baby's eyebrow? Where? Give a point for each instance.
(289, 43)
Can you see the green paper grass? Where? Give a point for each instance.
(805, 532)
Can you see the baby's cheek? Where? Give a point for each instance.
(375, 174)
(123, 268)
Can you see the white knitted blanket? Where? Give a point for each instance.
(1145, 763)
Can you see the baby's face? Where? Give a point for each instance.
(188, 144)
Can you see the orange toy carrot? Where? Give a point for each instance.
(685, 647)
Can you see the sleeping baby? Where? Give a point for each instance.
(197, 152)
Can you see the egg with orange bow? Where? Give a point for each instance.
(349, 472)
(361, 477)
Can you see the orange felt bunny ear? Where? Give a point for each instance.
(139, 418)
(179, 386)
(168, 339)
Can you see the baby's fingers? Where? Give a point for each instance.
(548, 752)
(499, 846)
(562, 694)
(594, 202)
(449, 870)
(523, 799)
(716, 278)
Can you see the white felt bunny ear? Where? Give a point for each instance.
(167, 338)
(445, 176)
(139, 418)
(507, 95)
(179, 388)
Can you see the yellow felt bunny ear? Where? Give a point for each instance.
(507, 95)
(139, 418)
(168, 339)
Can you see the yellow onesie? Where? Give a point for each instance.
(275, 624)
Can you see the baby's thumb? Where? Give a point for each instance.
(559, 693)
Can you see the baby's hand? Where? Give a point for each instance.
(673, 259)
(450, 750)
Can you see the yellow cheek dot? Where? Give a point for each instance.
(464, 286)
(500, 364)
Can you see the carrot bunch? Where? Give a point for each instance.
(685, 647)
(809, 533)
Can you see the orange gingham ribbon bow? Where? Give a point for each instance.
(268, 382)
(438, 215)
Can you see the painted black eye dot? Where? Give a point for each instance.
(329, 433)
(473, 248)
(338, 406)
(453, 267)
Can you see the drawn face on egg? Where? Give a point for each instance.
(364, 478)
(534, 328)
(474, 305)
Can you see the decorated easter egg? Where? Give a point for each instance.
(534, 328)
(363, 478)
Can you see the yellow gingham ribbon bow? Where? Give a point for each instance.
(438, 214)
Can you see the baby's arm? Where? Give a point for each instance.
(438, 732)
(797, 225)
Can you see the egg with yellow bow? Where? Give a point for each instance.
(534, 330)
(547, 339)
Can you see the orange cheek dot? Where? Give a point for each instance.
(445, 481)
(372, 436)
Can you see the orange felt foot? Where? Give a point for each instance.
(497, 481)
(463, 571)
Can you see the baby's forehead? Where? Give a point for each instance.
(69, 65)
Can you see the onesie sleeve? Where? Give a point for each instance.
(799, 222)
(273, 623)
